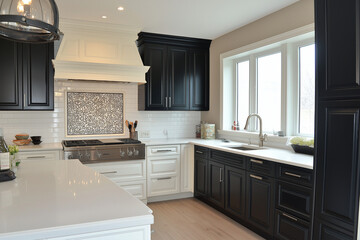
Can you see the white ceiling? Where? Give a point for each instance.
(192, 18)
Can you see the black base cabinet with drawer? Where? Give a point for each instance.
(274, 200)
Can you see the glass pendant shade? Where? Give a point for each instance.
(34, 21)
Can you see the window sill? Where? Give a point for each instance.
(253, 138)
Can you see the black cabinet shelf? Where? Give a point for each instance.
(27, 76)
(178, 78)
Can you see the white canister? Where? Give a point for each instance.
(208, 131)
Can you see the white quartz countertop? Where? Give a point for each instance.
(65, 197)
(272, 154)
(267, 153)
(42, 147)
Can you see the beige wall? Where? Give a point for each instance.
(284, 20)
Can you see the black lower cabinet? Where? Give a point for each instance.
(274, 200)
(235, 183)
(200, 178)
(288, 227)
(260, 202)
(216, 183)
(325, 231)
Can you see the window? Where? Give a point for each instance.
(243, 91)
(269, 91)
(306, 89)
(277, 82)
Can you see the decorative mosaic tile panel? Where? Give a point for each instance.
(90, 113)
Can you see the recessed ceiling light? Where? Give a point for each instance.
(121, 8)
(104, 17)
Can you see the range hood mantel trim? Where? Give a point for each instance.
(99, 71)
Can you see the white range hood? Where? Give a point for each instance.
(100, 52)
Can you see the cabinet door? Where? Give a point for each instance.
(337, 163)
(216, 183)
(178, 79)
(235, 182)
(38, 76)
(325, 231)
(11, 75)
(337, 48)
(200, 178)
(260, 202)
(199, 80)
(156, 86)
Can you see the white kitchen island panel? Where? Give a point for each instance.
(67, 200)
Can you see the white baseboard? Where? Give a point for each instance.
(170, 197)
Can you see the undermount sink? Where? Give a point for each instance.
(245, 148)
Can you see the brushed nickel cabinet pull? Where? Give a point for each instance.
(290, 217)
(221, 180)
(256, 161)
(293, 174)
(200, 152)
(256, 177)
(165, 178)
(36, 157)
(108, 172)
(164, 150)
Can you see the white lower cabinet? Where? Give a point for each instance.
(129, 175)
(39, 155)
(169, 169)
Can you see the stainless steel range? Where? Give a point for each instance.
(104, 150)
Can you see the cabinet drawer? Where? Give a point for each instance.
(43, 155)
(165, 165)
(121, 171)
(163, 150)
(230, 159)
(261, 166)
(296, 175)
(201, 152)
(163, 186)
(294, 199)
(288, 227)
(135, 188)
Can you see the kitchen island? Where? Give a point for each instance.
(67, 200)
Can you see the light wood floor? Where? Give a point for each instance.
(190, 219)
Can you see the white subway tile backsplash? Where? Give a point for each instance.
(51, 124)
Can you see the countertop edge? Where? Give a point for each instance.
(83, 228)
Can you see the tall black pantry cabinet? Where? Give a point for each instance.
(337, 166)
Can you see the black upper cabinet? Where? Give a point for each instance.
(10, 75)
(38, 77)
(337, 34)
(178, 78)
(27, 76)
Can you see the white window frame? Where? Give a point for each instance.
(290, 78)
(296, 78)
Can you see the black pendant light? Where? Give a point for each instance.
(33, 21)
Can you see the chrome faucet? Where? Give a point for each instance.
(262, 137)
